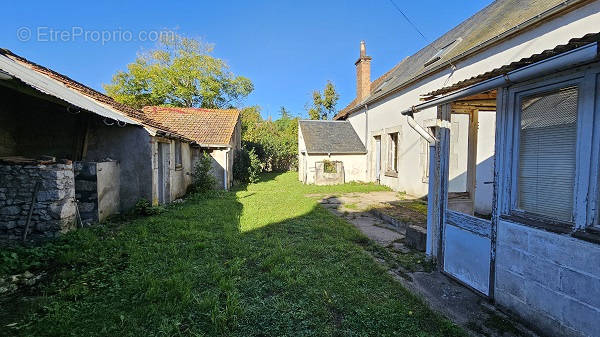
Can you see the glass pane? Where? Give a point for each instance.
(548, 138)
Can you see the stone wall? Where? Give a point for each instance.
(54, 210)
(550, 280)
(325, 178)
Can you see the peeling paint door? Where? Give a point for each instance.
(164, 153)
(378, 158)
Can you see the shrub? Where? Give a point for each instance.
(144, 207)
(255, 167)
(329, 166)
(241, 165)
(202, 177)
(246, 166)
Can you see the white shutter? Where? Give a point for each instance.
(547, 155)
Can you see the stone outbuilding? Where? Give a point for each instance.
(70, 155)
(330, 152)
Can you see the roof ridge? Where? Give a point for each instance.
(501, 19)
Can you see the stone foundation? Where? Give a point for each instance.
(54, 210)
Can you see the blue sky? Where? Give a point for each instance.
(287, 48)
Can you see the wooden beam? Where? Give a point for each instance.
(477, 102)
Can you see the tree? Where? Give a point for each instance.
(284, 113)
(323, 105)
(275, 142)
(179, 72)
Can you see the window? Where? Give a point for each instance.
(178, 163)
(392, 162)
(547, 154)
(442, 51)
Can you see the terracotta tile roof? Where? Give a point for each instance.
(204, 126)
(130, 112)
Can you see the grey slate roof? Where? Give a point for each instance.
(335, 137)
(496, 21)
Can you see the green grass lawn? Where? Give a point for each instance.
(260, 261)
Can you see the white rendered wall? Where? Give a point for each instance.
(386, 113)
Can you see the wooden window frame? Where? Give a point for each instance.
(585, 191)
(178, 155)
(392, 158)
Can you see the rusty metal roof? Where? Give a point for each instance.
(64, 88)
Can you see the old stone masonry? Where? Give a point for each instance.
(54, 209)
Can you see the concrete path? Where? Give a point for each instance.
(461, 305)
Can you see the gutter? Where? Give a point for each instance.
(421, 130)
(578, 56)
(225, 176)
(562, 7)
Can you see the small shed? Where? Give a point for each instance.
(216, 132)
(330, 152)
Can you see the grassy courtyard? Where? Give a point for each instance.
(260, 261)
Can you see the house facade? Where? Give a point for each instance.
(497, 123)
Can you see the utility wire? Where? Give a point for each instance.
(420, 33)
(409, 21)
(412, 24)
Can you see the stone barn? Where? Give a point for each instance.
(330, 152)
(70, 155)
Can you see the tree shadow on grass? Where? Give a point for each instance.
(229, 265)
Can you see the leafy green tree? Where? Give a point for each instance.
(323, 105)
(275, 143)
(179, 72)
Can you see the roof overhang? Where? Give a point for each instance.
(524, 72)
(11, 69)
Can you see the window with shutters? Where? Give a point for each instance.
(547, 154)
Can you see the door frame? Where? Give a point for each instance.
(164, 172)
(377, 158)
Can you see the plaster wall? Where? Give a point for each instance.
(353, 166)
(131, 147)
(386, 112)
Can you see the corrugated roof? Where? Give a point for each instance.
(204, 126)
(72, 92)
(494, 22)
(336, 137)
(47, 85)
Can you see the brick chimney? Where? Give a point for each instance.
(363, 73)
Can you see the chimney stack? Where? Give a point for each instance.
(363, 73)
